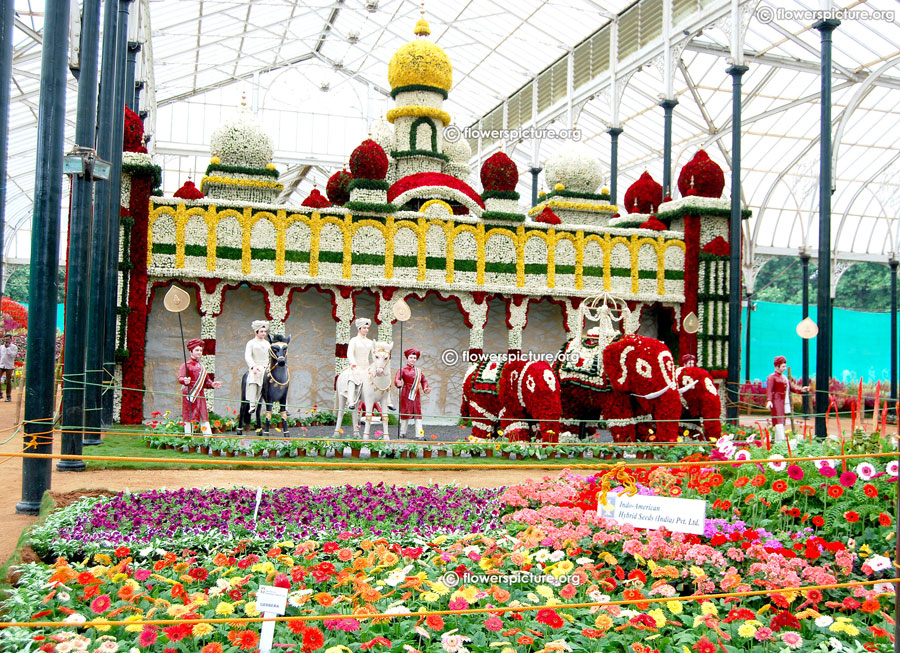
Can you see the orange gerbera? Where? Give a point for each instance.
(758, 481)
(808, 490)
(212, 647)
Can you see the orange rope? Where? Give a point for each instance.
(495, 610)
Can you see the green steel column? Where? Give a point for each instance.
(823, 344)
(893, 263)
(667, 106)
(99, 233)
(613, 161)
(130, 96)
(734, 239)
(40, 382)
(115, 182)
(535, 171)
(7, 17)
(804, 264)
(78, 279)
(747, 345)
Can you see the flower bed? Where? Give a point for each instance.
(345, 553)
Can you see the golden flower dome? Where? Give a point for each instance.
(420, 65)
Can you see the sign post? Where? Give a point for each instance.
(271, 601)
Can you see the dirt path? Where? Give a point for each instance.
(11, 478)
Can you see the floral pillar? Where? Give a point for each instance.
(687, 342)
(210, 308)
(278, 301)
(476, 318)
(384, 313)
(342, 311)
(572, 311)
(516, 319)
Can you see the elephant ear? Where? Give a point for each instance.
(550, 379)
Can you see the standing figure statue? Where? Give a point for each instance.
(412, 384)
(359, 355)
(256, 355)
(778, 396)
(194, 380)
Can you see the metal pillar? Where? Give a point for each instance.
(130, 96)
(823, 344)
(804, 264)
(40, 383)
(667, 106)
(78, 279)
(734, 239)
(115, 183)
(7, 17)
(99, 234)
(535, 171)
(747, 346)
(893, 263)
(613, 161)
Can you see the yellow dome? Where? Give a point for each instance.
(420, 63)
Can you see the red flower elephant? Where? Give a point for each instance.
(699, 401)
(517, 396)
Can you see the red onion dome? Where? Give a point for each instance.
(653, 224)
(547, 216)
(134, 133)
(189, 192)
(718, 246)
(704, 175)
(644, 195)
(15, 311)
(336, 188)
(499, 172)
(316, 200)
(368, 161)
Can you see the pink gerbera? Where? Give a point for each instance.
(847, 479)
(792, 639)
(101, 603)
(795, 472)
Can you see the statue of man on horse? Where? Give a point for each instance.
(266, 380)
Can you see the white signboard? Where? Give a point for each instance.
(677, 515)
(271, 599)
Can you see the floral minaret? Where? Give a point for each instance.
(241, 164)
(420, 75)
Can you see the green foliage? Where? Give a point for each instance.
(863, 287)
(16, 287)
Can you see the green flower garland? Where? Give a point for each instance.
(241, 170)
(399, 154)
(503, 217)
(368, 184)
(500, 195)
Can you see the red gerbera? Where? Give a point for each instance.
(835, 491)
(870, 490)
(705, 646)
(434, 621)
(884, 519)
(851, 516)
(758, 481)
(313, 639)
(780, 485)
(818, 520)
(741, 482)
(549, 618)
(178, 632)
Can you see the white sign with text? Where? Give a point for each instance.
(677, 515)
(271, 601)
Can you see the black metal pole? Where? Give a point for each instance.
(138, 87)
(7, 17)
(115, 183)
(613, 161)
(130, 96)
(535, 171)
(893, 263)
(734, 239)
(747, 346)
(99, 234)
(667, 106)
(823, 308)
(40, 382)
(78, 278)
(804, 263)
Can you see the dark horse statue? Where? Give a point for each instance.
(276, 380)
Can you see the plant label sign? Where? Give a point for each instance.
(677, 515)
(271, 599)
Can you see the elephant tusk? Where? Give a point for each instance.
(654, 395)
(687, 386)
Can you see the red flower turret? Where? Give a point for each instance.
(547, 216)
(703, 175)
(499, 173)
(134, 133)
(316, 200)
(644, 195)
(368, 161)
(189, 192)
(336, 188)
(654, 224)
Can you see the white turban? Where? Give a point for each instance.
(363, 322)
(258, 324)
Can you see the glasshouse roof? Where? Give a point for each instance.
(316, 76)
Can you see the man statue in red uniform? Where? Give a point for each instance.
(412, 384)
(778, 396)
(194, 380)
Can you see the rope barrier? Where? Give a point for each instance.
(427, 613)
(453, 466)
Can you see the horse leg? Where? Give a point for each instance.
(284, 426)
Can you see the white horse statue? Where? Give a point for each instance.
(375, 389)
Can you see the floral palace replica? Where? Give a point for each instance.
(480, 273)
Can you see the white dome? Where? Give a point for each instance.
(383, 134)
(242, 142)
(458, 151)
(575, 167)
